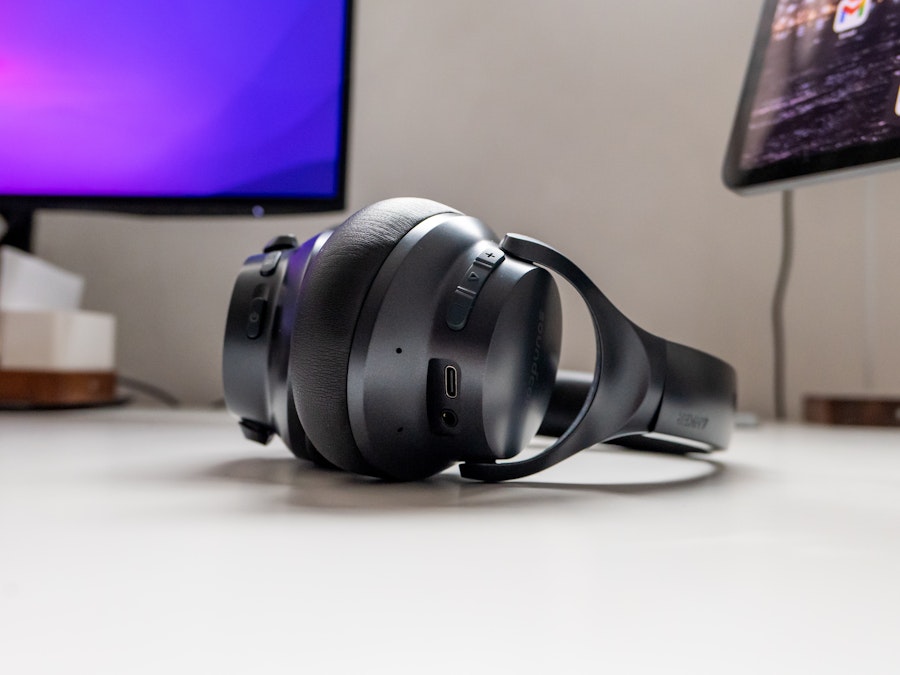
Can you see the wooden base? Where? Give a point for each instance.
(849, 410)
(37, 389)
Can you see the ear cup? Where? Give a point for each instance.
(331, 298)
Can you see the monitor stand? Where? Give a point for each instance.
(20, 225)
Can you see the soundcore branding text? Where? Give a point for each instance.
(534, 372)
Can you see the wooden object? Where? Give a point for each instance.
(861, 411)
(30, 388)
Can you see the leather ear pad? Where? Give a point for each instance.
(331, 298)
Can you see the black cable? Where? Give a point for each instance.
(784, 273)
(150, 390)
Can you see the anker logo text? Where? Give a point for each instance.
(691, 421)
(534, 372)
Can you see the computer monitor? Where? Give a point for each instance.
(820, 97)
(172, 107)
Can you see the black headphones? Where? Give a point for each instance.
(408, 339)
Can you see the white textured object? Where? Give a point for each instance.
(57, 341)
(27, 282)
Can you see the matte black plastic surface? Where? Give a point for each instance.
(257, 343)
(393, 390)
(626, 394)
(340, 279)
(403, 417)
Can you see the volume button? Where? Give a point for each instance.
(463, 298)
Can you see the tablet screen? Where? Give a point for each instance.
(821, 95)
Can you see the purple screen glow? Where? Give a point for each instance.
(175, 98)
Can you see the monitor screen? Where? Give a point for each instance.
(820, 95)
(174, 106)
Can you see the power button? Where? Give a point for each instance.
(256, 317)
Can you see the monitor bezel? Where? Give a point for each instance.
(858, 160)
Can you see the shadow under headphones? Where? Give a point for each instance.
(408, 339)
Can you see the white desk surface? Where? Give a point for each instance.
(141, 541)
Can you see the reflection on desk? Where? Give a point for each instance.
(158, 541)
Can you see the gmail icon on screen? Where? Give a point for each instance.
(851, 14)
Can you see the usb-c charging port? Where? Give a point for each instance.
(451, 381)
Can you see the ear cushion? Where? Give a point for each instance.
(331, 297)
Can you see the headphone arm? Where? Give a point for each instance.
(646, 392)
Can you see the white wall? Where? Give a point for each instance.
(599, 127)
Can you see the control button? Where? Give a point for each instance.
(475, 277)
(490, 257)
(281, 242)
(256, 317)
(460, 306)
(270, 263)
(470, 286)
